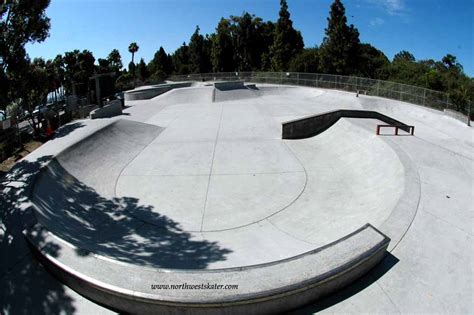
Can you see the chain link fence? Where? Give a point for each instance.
(392, 90)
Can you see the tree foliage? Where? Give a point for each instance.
(340, 46)
(306, 61)
(287, 43)
(21, 22)
(79, 67)
(372, 63)
(199, 53)
(222, 51)
(115, 61)
(181, 59)
(161, 65)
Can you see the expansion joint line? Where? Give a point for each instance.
(212, 165)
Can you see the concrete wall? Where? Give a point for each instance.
(313, 125)
(113, 108)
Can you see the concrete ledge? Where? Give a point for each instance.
(313, 125)
(288, 283)
(229, 85)
(153, 91)
(112, 109)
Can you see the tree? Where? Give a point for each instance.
(403, 56)
(133, 48)
(340, 47)
(181, 59)
(35, 88)
(142, 70)
(222, 54)
(104, 65)
(115, 61)
(287, 42)
(306, 61)
(372, 63)
(161, 65)
(267, 34)
(21, 22)
(79, 67)
(199, 54)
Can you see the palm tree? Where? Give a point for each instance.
(133, 48)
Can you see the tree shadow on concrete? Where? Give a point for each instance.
(67, 129)
(26, 287)
(360, 284)
(114, 227)
(79, 215)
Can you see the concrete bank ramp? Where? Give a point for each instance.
(354, 177)
(190, 95)
(234, 93)
(98, 159)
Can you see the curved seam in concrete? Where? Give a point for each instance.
(272, 214)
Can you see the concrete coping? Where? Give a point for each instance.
(264, 288)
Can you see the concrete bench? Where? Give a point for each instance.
(266, 288)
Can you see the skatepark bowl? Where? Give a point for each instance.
(282, 195)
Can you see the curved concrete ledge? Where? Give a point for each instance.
(112, 109)
(313, 125)
(153, 91)
(287, 284)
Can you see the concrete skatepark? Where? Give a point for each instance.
(197, 185)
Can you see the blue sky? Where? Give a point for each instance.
(426, 28)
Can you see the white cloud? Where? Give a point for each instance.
(377, 22)
(392, 7)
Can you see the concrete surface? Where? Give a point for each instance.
(285, 197)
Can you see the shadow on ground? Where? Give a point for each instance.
(67, 129)
(79, 215)
(110, 226)
(26, 288)
(368, 279)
